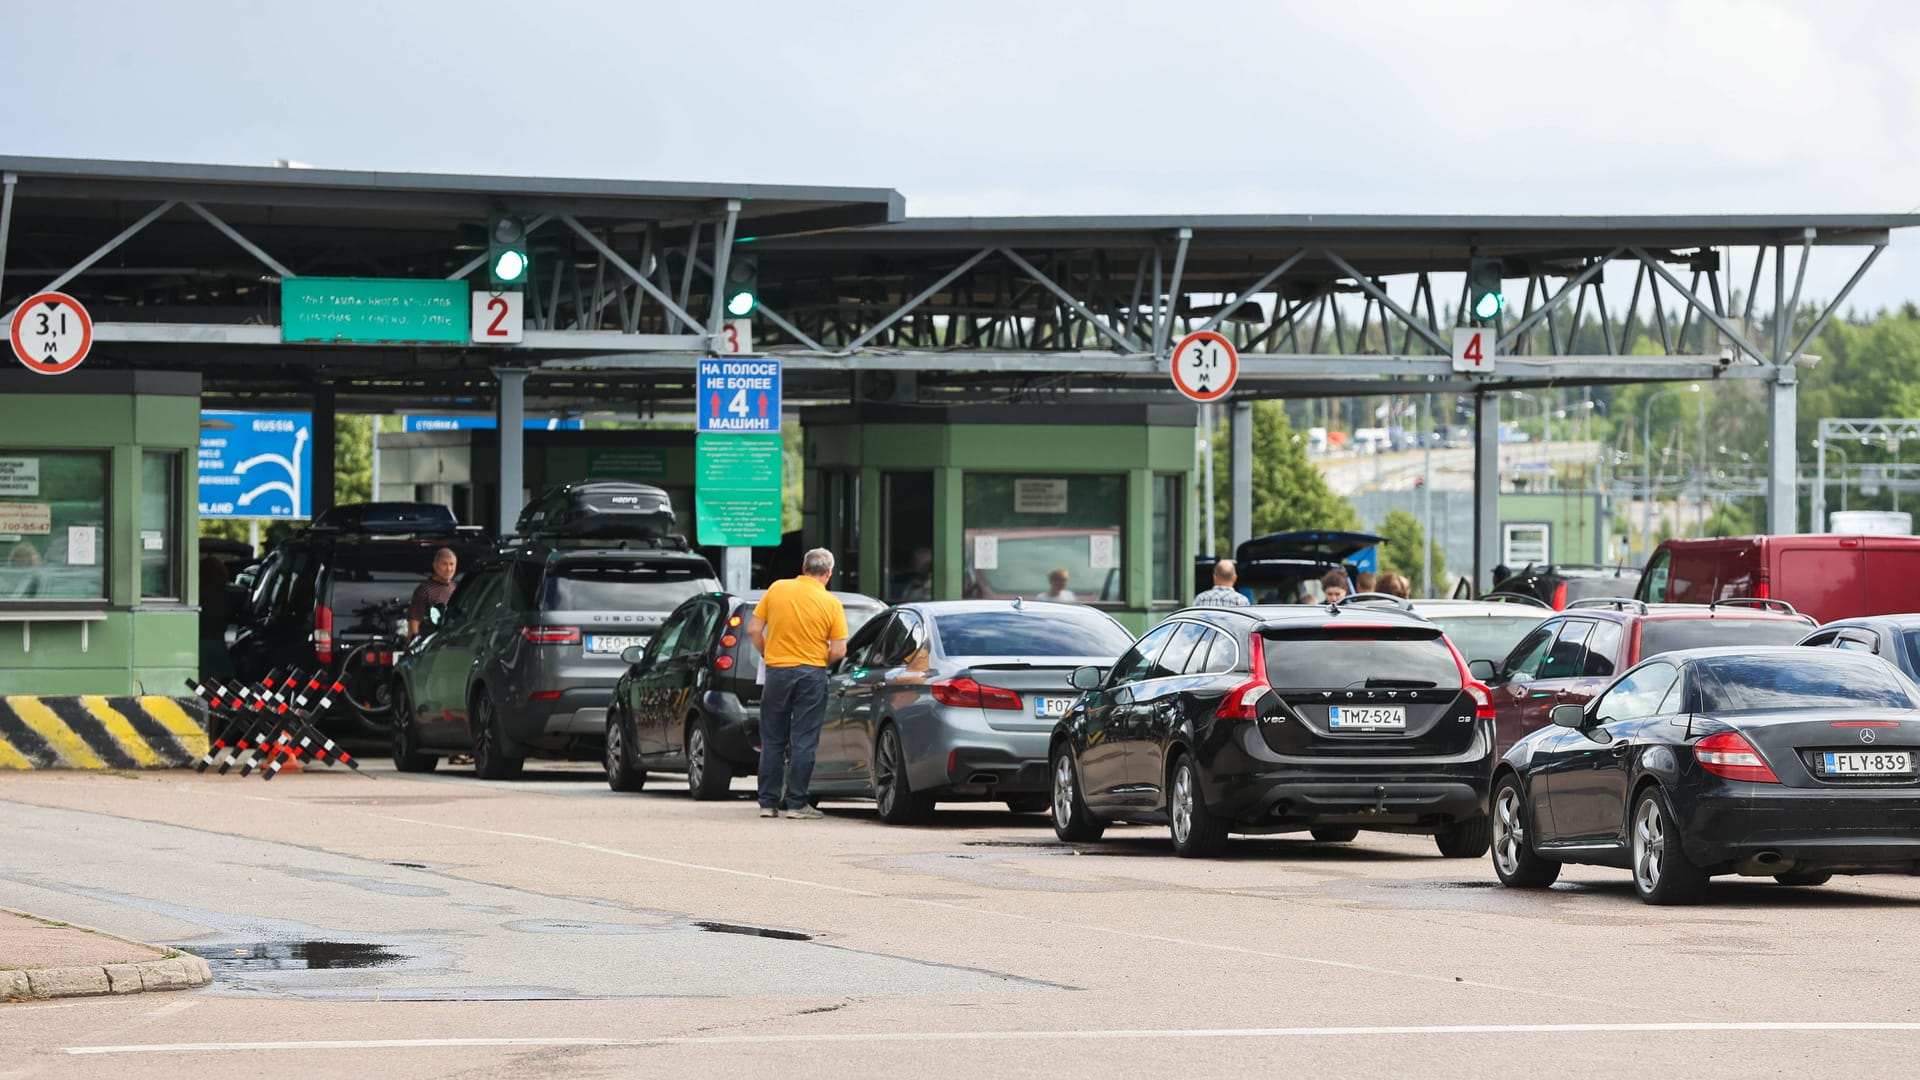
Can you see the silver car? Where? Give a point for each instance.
(954, 700)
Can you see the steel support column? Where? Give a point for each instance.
(1240, 518)
(1783, 416)
(6, 224)
(1486, 489)
(325, 439)
(510, 409)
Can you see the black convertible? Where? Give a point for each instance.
(1788, 763)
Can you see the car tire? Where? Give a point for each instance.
(1662, 873)
(1072, 821)
(893, 793)
(709, 777)
(1515, 862)
(1197, 834)
(622, 773)
(1468, 838)
(1334, 834)
(489, 763)
(407, 755)
(1808, 879)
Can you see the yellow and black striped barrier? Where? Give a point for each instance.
(89, 731)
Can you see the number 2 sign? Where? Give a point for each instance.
(499, 318)
(1473, 349)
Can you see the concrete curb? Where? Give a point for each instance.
(173, 973)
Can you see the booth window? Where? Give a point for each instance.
(53, 525)
(160, 525)
(1168, 583)
(1020, 530)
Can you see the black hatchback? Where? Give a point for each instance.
(1327, 719)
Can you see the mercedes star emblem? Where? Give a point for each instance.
(1866, 735)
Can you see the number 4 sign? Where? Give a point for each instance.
(499, 318)
(1473, 349)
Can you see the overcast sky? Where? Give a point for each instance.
(993, 107)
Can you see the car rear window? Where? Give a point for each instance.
(1666, 635)
(1588, 588)
(364, 578)
(1486, 637)
(1408, 659)
(1040, 630)
(1821, 680)
(623, 586)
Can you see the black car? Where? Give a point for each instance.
(1773, 761)
(690, 699)
(1558, 585)
(1328, 719)
(1893, 638)
(1280, 568)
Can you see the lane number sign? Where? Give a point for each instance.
(1204, 366)
(499, 318)
(51, 333)
(1473, 349)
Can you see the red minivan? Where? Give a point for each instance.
(1821, 574)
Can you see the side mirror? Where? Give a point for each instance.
(632, 654)
(1086, 678)
(1569, 716)
(1483, 670)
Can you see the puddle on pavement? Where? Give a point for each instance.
(296, 956)
(752, 931)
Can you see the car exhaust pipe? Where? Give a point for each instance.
(1765, 864)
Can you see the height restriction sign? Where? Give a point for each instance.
(1205, 366)
(51, 333)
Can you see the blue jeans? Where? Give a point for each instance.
(793, 706)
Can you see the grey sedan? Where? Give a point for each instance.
(954, 701)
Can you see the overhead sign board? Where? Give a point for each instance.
(373, 311)
(499, 318)
(51, 333)
(738, 397)
(737, 489)
(1473, 349)
(256, 465)
(1204, 365)
(485, 423)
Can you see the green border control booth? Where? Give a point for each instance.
(98, 528)
(953, 502)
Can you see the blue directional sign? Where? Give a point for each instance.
(738, 397)
(485, 423)
(256, 465)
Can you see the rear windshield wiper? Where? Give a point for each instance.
(1394, 684)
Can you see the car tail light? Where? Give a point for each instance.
(1863, 723)
(323, 634)
(1477, 690)
(1763, 591)
(728, 641)
(551, 635)
(1560, 597)
(966, 693)
(544, 695)
(1730, 755)
(723, 663)
(734, 621)
(1243, 701)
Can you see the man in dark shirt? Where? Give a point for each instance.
(436, 590)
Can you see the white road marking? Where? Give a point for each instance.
(1020, 1036)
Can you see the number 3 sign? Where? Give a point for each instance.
(1473, 349)
(499, 318)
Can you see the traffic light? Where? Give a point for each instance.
(743, 286)
(1485, 300)
(507, 262)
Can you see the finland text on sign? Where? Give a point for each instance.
(739, 396)
(255, 465)
(373, 310)
(737, 493)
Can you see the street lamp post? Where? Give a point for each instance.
(1646, 448)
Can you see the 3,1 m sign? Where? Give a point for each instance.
(738, 397)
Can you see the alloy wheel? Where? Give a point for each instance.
(1063, 790)
(1649, 845)
(1182, 803)
(696, 757)
(885, 770)
(1509, 831)
(616, 748)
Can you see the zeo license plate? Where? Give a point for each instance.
(1367, 717)
(1051, 708)
(599, 644)
(1880, 763)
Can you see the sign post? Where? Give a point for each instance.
(1204, 366)
(51, 333)
(739, 460)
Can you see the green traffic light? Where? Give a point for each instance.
(741, 304)
(1489, 305)
(510, 265)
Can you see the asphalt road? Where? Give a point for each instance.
(441, 926)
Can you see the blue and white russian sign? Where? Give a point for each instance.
(485, 423)
(738, 397)
(256, 465)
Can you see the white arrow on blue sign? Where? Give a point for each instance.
(256, 465)
(738, 397)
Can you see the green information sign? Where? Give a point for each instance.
(736, 489)
(373, 310)
(637, 463)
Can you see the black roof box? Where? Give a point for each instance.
(599, 509)
(388, 518)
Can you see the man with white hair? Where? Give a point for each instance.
(799, 628)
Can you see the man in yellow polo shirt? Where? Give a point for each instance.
(799, 628)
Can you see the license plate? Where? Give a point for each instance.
(1051, 708)
(1367, 718)
(614, 643)
(1881, 763)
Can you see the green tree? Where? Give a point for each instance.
(1400, 552)
(353, 459)
(1288, 492)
